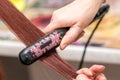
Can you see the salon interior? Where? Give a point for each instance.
(103, 48)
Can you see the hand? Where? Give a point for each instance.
(92, 73)
(76, 15)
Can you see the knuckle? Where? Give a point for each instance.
(55, 14)
(57, 18)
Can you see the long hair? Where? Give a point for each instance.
(28, 33)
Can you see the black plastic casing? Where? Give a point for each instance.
(50, 41)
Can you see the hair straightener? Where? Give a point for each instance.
(50, 41)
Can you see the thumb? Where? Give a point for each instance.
(53, 25)
(50, 27)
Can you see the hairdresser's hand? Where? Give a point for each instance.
(77, 16)
(92, 73)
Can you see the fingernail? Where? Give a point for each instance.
(101, 67)
(90, 73)
(63, 46)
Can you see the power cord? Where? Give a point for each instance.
(88, 41)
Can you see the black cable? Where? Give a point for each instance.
(88, 41)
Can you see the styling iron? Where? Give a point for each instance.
(50, 41)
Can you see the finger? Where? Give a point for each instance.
(82, 77)
(85, 71)
(97, 68)
(81, 34)
(100, 77)
(51, 27)
(70, 36)
(55, 24)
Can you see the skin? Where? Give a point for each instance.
(77, 15)
(92, 73)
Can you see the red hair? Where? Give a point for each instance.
(28, 33)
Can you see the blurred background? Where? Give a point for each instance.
(104, 47)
